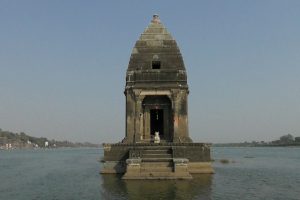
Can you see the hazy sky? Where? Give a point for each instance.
(63, 65)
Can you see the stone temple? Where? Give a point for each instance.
(157, 143)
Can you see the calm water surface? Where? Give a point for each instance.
(63, 174)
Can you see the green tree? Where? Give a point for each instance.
(287, 138)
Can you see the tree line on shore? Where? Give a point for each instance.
(285, 140)
(22, 140)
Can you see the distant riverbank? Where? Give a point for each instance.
(254, 145)
(10, 140)
(284, 141)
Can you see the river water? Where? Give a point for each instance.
(70, 174)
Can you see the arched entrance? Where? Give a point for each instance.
(157, 117)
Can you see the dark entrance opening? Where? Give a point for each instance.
(157, 121)
(155, 64)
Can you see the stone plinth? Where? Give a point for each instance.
(157, 161)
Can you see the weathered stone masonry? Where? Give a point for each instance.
(156, 94)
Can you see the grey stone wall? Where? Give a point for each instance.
(195, 152)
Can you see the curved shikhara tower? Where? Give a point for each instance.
(156, 88)
(157, 143)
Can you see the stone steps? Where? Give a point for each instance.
(157, 159)
(158, 156)
(159, 176)
(157, 151)
(156, 163)
(157, 169)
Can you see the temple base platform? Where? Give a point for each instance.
(157, 161)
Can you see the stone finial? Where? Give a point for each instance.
(156, 19)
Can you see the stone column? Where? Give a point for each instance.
(147, 123)
(175, 109)
(138, 120)
(141, 118)
(181, 131)
(166, 123)
(130, 116)
(183, 122)
(142, 135)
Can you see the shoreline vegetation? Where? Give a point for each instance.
(10, 140)
(284, 141)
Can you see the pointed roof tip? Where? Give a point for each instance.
(155, 19)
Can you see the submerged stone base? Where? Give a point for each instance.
(157, 161)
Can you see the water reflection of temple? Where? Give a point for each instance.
(197, 188)
(157, 143)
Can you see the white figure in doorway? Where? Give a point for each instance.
(156, 137)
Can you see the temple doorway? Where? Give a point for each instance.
(157, 122)
(157, 117)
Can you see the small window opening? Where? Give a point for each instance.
(155, 64)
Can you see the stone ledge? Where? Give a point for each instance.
(200, 168)
(157, 176)
(167, 144)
